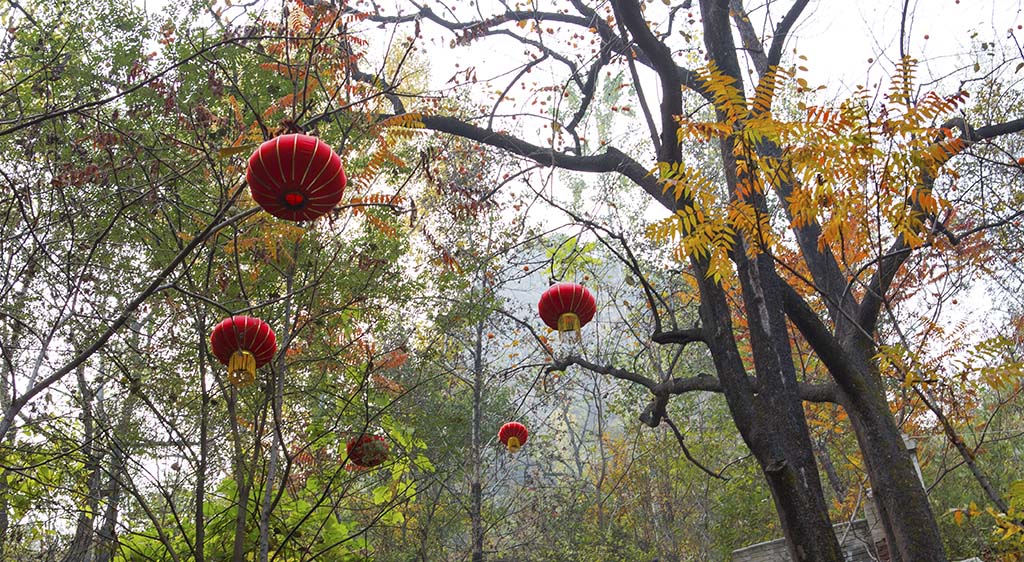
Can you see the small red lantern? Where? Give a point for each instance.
(243, 343)
(295, 177)
(367, 451)
(513, 435)
(567, 306)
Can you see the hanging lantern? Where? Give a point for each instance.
(367, 451)
(295, 177)
(513, 435)
(567, 307)
(243, 343)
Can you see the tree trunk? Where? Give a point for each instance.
(910, 528)
(10, 356)
(79, 548)
(772, 422)
(276, 404)
(242, 483)
(476, 487)
(779, 437)
(107, 533)
(911, 531)
(204, 418)
(825, 460)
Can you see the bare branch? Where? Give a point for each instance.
(686, 452)
(751, 42)
(703, 382)
(898, 253)
(782, 31)
(563, 364)
(668, 73)
(613, 160)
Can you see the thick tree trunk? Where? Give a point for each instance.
(911, 531)
(768, 426)
(777, 431)
(789, 464)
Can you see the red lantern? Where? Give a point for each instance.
(243, 343)
(295, 177)
(513, 435)
(367, 451)
(566, 306)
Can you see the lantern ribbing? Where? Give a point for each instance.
(296, 177)
(513, 435)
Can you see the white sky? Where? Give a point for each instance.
(840, 37)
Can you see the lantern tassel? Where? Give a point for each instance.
(242, 368)
(513, 444)
(569, 322)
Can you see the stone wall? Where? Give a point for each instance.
(856, 544)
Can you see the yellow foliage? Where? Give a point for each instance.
(842, 167)
(359, 204)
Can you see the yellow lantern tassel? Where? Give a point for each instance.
(513, 444)
(242, 368)
(569, 322)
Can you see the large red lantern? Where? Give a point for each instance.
(295, 177)
(513, 435)
(243, 343)
(566, 307)
(367, 451)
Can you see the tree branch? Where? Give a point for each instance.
(824, 392)
(899, 252)
(565, 363)
(819, 337)
(613, 160)
(686, 452)
(668, 73)
(42, 117)
(782, 31)
(683, 337)
(751, 42)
